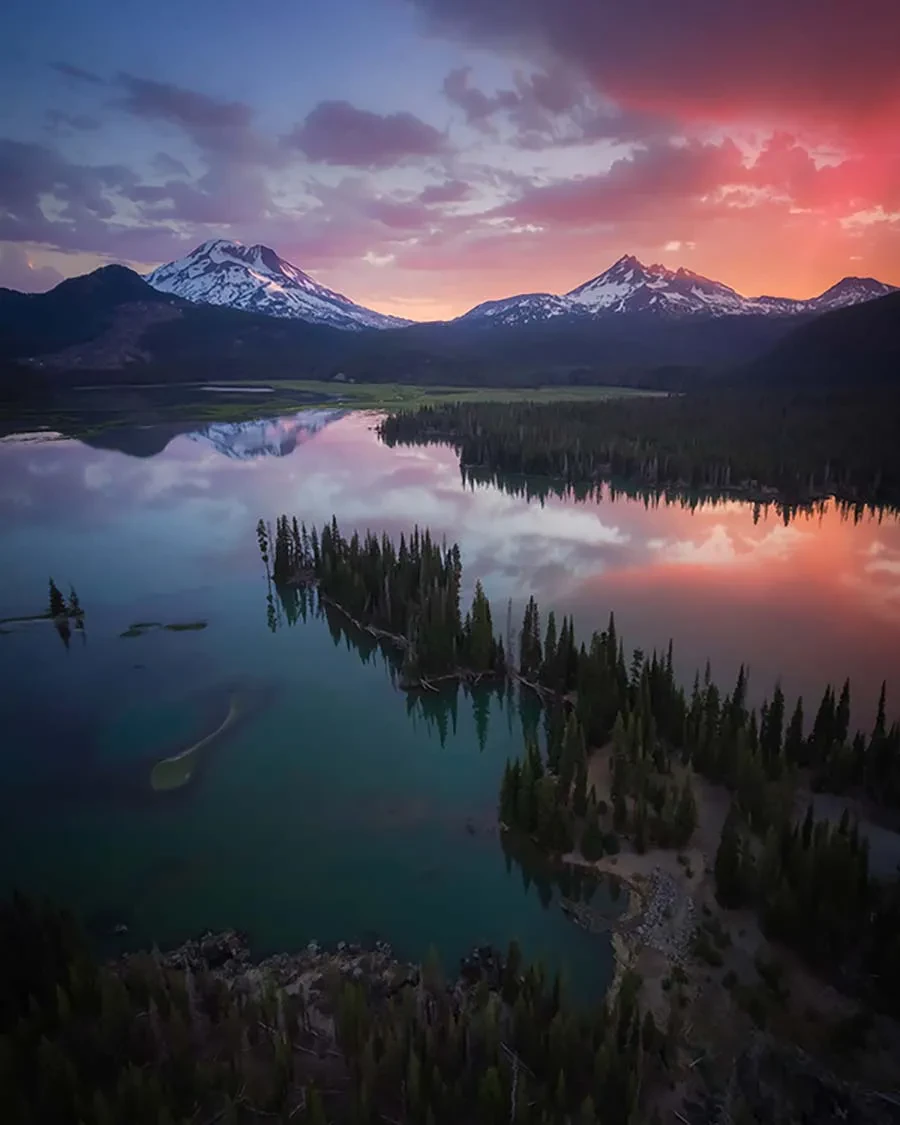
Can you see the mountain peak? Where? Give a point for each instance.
(255, 279)
(630, 286)
(627, 261)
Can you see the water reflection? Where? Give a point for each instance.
(762, 505)
(810, 601)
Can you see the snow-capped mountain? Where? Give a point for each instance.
(527, 308)
(264, 437)
(849, 291)
(629, 286)
(256, 279)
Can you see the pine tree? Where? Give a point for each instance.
(685, 815)
(579, 796)
(549, 665)
(58, 607)
(573, 753)
(793, 741)
(592, 839)
(879, 728)
(729, 871)
(842, 716)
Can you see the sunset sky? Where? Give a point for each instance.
(424, 155)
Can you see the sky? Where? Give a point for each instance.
(422, 156)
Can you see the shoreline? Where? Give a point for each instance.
(626, 947)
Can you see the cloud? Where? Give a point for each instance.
(18, 272)
(60, 122)
(167, 165)
(813, 61)
(642, 184)
(30, 171)
(48, 200)
(450, 191)
(216, 126)
(336, 132)
(77, 73)
(477, 106)
(549, 108)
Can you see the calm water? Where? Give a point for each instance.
(332, 810)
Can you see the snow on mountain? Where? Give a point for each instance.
(256, 279)
(629, 286)
(264, 437)
(526, 309)
(850, 291)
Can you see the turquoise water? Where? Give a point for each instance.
(332, 810)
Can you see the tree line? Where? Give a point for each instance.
(411, 593)
(799, 446)
(140, 1041)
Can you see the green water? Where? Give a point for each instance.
(331, 809)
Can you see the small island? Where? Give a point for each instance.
(406, 595)
(177, 770)
(140, 628)
(62, 613)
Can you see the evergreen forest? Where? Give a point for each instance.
(143, 1042)
(795, 446)
(810, 883)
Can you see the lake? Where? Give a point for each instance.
(330, 807)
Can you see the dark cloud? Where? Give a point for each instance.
(821, 61)
(548, 109)
(336, 132)
(219, 128)
(84, 215)
(647, 183)
(78, 73)
(451, 191)
(477, 106)
(18, 272)
(29, 171)
(195, 112)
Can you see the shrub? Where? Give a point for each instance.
(772, 975)
(592, 840)
(705, 950)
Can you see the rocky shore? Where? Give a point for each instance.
(667, 921)
(227, 957)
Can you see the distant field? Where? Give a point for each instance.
(391, 395)
(88, 410)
